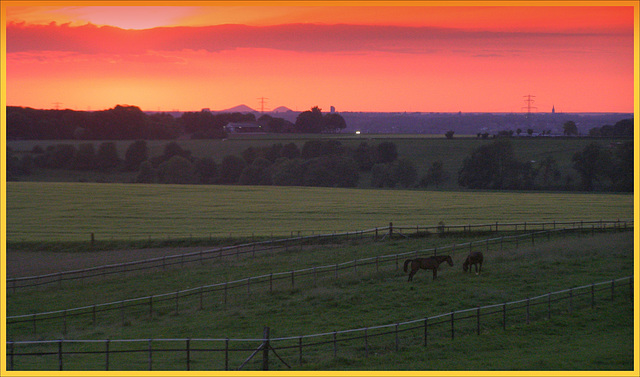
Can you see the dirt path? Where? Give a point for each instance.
(30, 263)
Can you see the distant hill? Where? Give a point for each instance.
(281, 109)
(238, 109)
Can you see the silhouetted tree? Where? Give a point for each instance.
(107, 156)
(85, 157)
(136, 153)
(494, 166)
(333, 122)
(386, 152)
(435, 175)
(310, 121)
(147, 173)
(231, 169)
(207, 170)
(177, 170)
(591, 164)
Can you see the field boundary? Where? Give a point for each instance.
(393, 337)
(378, 233)
(223, 292)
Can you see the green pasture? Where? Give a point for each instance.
(369, 297)
(47, 211)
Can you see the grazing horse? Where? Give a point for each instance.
(429, 263)
(474, 258)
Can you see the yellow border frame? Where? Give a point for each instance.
(3, 176)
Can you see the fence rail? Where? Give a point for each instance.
(222, 354)
(220, 294)
(161, 263)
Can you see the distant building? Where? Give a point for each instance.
(333, 109)
(243, 127)
(206, 110)
(553, 109)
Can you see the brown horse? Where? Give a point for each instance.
(429, 263)
(474, 258)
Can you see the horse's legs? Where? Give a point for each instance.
(413, 272)
(435, 273)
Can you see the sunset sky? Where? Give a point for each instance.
(356, 58)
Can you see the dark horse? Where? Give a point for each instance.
(429, 263)
(474, 258)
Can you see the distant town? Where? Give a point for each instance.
(438, 123)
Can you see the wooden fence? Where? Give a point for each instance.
(181, 260)
(220, 294)
(228, 354)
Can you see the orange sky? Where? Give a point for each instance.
(356, 58)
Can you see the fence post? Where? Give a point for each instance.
(593, 298)
(335, 345)
(390, 230)
(188, 354)
(478, 313)
(150, 355)
(527, 310)
(60, 354)
(452, 327)
(300, 347)
(106, 351)
(426, 330)
(613, 285)
(549, 305)
(265, 349)
(10, 355)
(226, 354)
(366, 344)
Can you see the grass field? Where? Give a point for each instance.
(585, 339)
(72, 211)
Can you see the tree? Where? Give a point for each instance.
(381, 176)
(363, 156)
(85, 157)
(622, 170)
(404, 171)
(570, 128)
(60, 156)
(288, 172)
(290, 151)
(591, 164)
(310, 121)
(147, 173)
(231, 169)
(177, 170)
(107, 156)
(136, 153)
(449, 134)
(548, 171)
(386, 152)
(207, 170)
(494, 166)
(435, 175)
(334, 123)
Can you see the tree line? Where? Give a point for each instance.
(131, 123)
(329, 163)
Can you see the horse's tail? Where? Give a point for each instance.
(406, 264)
